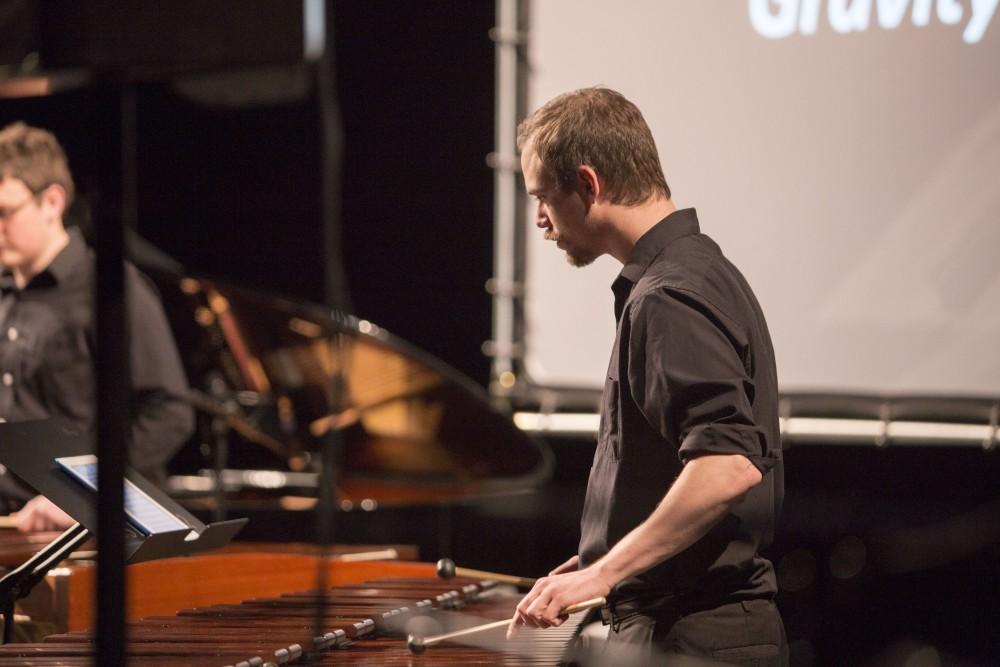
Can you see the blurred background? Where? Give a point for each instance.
(844, 154)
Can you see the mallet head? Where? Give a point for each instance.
(446, 568)
(415, 644)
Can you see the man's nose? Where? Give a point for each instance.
(541, 220)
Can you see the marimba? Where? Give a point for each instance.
(364, 621)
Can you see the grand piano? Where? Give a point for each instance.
(285, 375)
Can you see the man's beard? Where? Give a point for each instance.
(578, 260)
(574, 258)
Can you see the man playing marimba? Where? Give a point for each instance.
(687, 476)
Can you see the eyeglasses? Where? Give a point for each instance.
(7, 213)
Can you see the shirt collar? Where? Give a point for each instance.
(7, 283)
(676, 225)
(679, 223)
(65, 263)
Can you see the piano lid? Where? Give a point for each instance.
(413, 428)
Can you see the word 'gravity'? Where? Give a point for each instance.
(781, 18)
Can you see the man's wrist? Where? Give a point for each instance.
(606, 572)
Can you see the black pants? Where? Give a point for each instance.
(746, 633)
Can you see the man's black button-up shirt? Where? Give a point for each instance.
(692, 372)
(47, 343)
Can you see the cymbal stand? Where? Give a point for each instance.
(331, 452)
(219, 428)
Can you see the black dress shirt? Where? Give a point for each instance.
(47, 346)
(692, 372)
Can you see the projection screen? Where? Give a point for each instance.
(844, 154)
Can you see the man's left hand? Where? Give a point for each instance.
(40, 513)
(542, 606)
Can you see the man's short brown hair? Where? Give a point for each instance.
(34, 156)
(597, 127)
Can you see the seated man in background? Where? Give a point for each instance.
(47, 332)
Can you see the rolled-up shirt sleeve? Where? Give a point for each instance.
(690, 375)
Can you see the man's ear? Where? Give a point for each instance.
(589, 183)
(53, 200)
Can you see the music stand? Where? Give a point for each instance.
(57, 460)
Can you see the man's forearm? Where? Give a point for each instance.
(702, 495)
